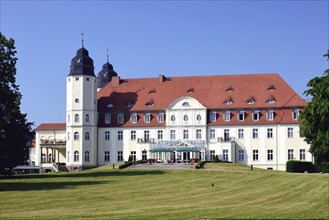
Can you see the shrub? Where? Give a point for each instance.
(322, 167)
(200, 164)
(296, 166)
(216, 160)
(125, 165)
(130, 158)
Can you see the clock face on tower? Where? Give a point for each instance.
(78, 60)
(105, 74)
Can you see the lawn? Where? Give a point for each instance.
(104, 193)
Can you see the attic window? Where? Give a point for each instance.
(250, 101)
(129, 104)
(270, 88)
(185, 104)
(152, 91)
(149, 103)
(270, 101)
(229, 89)
(110, 105)
(190, 90)
(228, 102)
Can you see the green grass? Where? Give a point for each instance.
(104, 193)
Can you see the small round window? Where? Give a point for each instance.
(198, 117)
(173, 118)
(76, 100)
(185, 118)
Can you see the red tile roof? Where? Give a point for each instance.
(51, 126)
(210, 91)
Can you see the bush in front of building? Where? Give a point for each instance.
(216, 159)
(126, 164)
(296, 166)
(322, 167)
(200, 164)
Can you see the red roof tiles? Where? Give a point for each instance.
(51, 126)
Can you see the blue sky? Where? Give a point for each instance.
(174, 38)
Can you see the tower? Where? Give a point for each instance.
(106, 74)
(81, 113)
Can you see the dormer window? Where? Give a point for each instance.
(133, 118)
(271, 87)
(250, 101)
(241, 115)
(255, 115)
(110, 105)
(190, 90)
(186, 104)
(160, 117)
(270, 115)
(107, 119)
(213, 116)
(149, 104)
(228, 102)
(295, 114)
(152, 91)
(121, 118)
(227, 116)
(147, 117)
(270, 101)
(229, 89)
(129, 105)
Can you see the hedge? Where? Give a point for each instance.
(296, 166)
(322, 167)
(125, 165)
(200, 164)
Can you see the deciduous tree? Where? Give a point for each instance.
(315, 117)
(15, 131)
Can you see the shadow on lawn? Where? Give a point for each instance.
(24, 186)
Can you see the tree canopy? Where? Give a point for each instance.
(315, 117)
(15, 131)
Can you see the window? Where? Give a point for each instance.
(250, 101)
(302, 154)
(68, 136)
(269, 154)
(227, 116)
(133, 118)
(212, 134)
(87, 79)
(120, 156)
(133, 155)
(68, 118)
(185, 134)
(225, 154)
(226, 134)
(240, 133)
(198, 133)
(241, 155)
(87, 118)
(146, 136)
(76, 100)
(76, 78)
(160, 118)
(270, 133)
(295, 114)
(172, 118)
(67, 156)
(241, 115)
(290, 132)
(290, 154)
(228, 102)
(270, 115)
(43, 158)
(107, 156)
(87, 136)
(76, 156)
(87, 156)
(255, 115)
(212, 155)
(121, 118)
(144, 155)
(76, 118)
(185, 118)
(213, 116)
(76, 136)
(107, 119)
(132, 135)
(172, 134)
(255, 133)
(270, 101)
(120, 135)
(198, 117)
(255, 154)
(107, 135)
(160, 134)
(185, 104)
(147, 117)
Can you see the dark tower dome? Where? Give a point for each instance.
(82, 64)
(105, 75)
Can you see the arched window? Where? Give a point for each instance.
(87, 136)
(50, 158)
(172, 118)
(76, 118)
(198, 117)
(76, 156)
(87, 156)
(76, 135)
(185, 118)
(43, 158)
(87, 117)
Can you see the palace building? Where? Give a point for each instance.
(249, 119)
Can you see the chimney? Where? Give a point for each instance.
(162, 78)
(115, 80)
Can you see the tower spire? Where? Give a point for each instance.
(107, 55)
(82, 39)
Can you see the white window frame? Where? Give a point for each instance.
(133, 118)
(255, 155)
(87, 156)
(76, 136)
(147, 118)
(240, 133)
(269, 133)
(76, 118)
(172, 134)
(225, 154)
(255, 115)
(120, 135)
(255, 133)
(213, 116)
(107, 118)
(76, 156)
(290, 154)
(302, 154)
(227, 116)
(133, 135)
(241, 155)
(87, 118)
(241, 113)
(270, 115)
(290, 132)
(295, 114)
(198, 134)
(107, 156)
(87, 136)
(121, 118)
(120, 156)
(160, 117)
(107, 135)
(185, 134)
(212, 133)
(160, 134)
(270, 155)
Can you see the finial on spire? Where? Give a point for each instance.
(82, 39)
(107, 55)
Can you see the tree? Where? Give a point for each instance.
(315, 117)
(15, 131)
